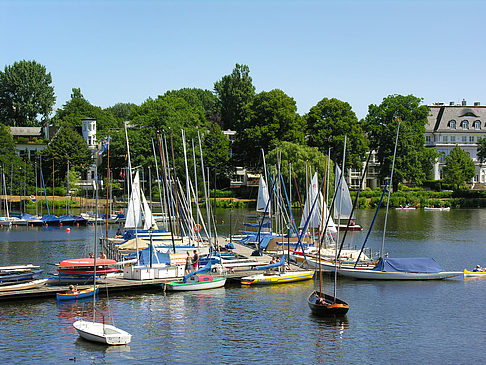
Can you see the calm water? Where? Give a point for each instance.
(389, 322)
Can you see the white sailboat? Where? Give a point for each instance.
(344, 197)
(100, 331)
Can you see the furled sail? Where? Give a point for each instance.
(134, 214)
(343, 202)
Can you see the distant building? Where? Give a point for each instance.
(462, 125)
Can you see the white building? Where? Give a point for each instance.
(451, 125)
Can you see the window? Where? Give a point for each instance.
(452, 124)
(465, 124)
(453, 138)
(464, 138)
(477, 124)
(471, 139)
(427, 139)
(444, 139)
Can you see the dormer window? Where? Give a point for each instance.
(465, 124)
(452, 124)
(477, 124)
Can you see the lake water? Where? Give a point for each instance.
(432, 322)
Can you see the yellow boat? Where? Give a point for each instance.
(277, 278)
(472, 273)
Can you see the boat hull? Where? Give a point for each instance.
(81, 294)
(384, 275)
(179, 285)
(474, 274)
(22, 286)
(330, 308)
(277, 278)
(102, 333)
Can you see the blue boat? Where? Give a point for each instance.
(29, 275)
(50, 219)
(85, 293)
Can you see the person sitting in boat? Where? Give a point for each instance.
(72, 289)
(102, 255)
(478, 269)
(319, 300)
(188, 268)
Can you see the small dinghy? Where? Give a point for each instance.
(102, 333)
(77, 294)
(22, 286)
(325, 305)
(196, 281)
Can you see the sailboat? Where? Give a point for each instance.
(413, 268)
(196, 281)
(270, 277)
(344, 197)
(100, 331)
(322, 304)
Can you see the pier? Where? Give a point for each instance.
(121, 285)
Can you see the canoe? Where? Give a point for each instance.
(329, 308)
(277, 278)
(76, 263)
(196, 282)
(80, 294)
(102, 333)
(22, 286)
(477, 274)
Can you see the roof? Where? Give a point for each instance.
(440, 116)
(26, 131)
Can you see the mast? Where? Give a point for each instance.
(389, 191)
(95, 185)
(158, 184)
(130, 189)
(107, 186)
(339, 218)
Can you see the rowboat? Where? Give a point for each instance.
(329, 307)
(472, 273)
(22, 286)
(438, 209)
(85, 293)
(269, 278)
(20, 276)
(196, 282)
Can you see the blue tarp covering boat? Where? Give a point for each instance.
(67, 219)
(144, 257)
(131, 233)
(50, 219)
(265, 238)
(412, 264)
(202, 270)
(271, 266)
(266, 224)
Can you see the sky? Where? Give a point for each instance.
(357, 51)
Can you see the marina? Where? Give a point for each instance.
(412, 319)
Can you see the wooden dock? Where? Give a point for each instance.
(120, 285)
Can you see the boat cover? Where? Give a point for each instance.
(129, 234)
(67, 218)
(202, 270)
(49, 218)
(271, 266)
(157, 257)
(265, 238)
(409, 264)
(266, 224)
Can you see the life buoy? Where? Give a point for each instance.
(197, 227)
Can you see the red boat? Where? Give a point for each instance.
(86, 266)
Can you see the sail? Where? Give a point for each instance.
(343, 202)
(263, 197)
(316, 215)
(149, 220)
(134, 216)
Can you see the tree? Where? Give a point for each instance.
(67, 145)
(327, 124)
(459, 168)
(121, 111)
(79, 108)
(482, 150)
(301, 158)
(412, 159)
(234, 92)
(204, 99)
(25, 93)
(216, 151)
(271, 118)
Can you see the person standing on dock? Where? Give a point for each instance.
(195, 260)
(188, 267)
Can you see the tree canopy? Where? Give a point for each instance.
(234, 92)
(482, 150)
(25, 94)
(459, 168)
(327, 124)
(271, 118)
(412, 159)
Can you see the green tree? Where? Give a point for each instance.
(459, 168)
(412, 159)
(272, 117)
(327, 124)
(301, 158)
(67, 145)
(234, 92)
(25, 93)
(482, 149)
(216, 151)
(204, 99)
(79, 108)
(121, 111)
